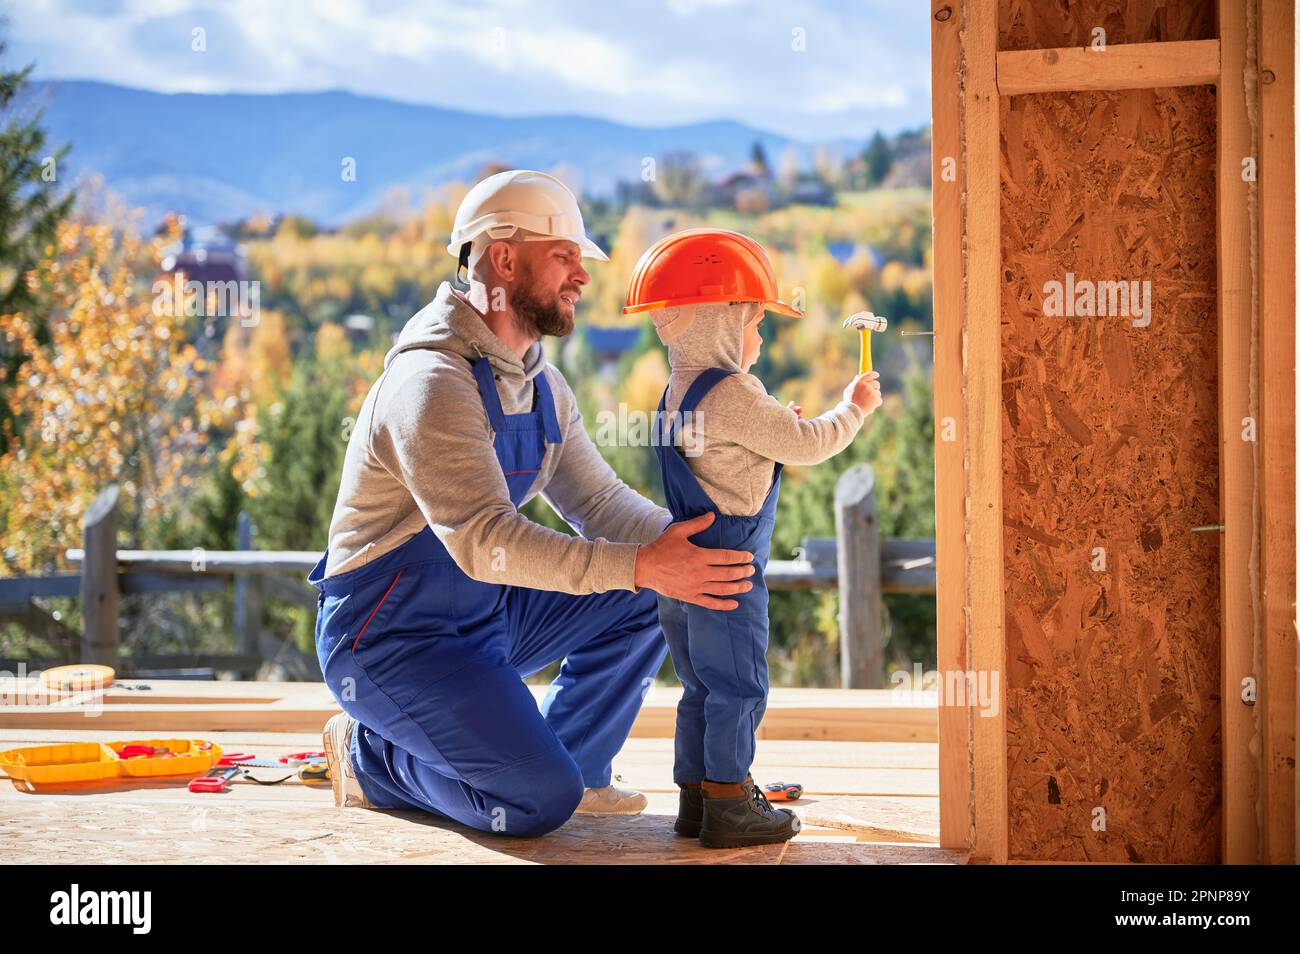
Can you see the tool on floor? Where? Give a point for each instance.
(143, 751)
(302, 758)
(314, 772)
(216, 780)
(310, 766)
(782, 791)
(78, 677)
(72, 762)
(865, 322)
(251, 761)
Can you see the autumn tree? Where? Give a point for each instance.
(110, 396)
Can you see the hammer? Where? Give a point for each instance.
(866, 323)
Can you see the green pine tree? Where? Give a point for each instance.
(30, 210)
(878, 158)
(306, 435)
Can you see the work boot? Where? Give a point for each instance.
(690, 811)
(338, 752)
(611, 800)
(737, 815)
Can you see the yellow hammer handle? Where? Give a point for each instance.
(864, 365)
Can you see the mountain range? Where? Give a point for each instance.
(220, 157)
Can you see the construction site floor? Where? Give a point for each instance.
(864, 803)
(868, 761)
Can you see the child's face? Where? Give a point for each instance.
(753, 342)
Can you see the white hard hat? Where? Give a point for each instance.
(502, 205)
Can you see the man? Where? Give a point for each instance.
(438, 596)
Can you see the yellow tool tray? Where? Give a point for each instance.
(70, 762)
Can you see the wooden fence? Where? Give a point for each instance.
(875, 567)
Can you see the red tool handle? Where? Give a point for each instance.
(298, 758)
(214, 781)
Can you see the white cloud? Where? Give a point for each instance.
(640, 62)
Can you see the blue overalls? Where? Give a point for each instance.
(430, 663)
(720, 655)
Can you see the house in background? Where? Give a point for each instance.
(608, 345)
(206, 256)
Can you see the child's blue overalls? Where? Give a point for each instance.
(430, 664)
(720, 655)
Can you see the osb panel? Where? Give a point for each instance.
(1043, 24)
(1110, 440)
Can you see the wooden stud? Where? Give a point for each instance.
(1277, 306)
(1116, 66)
(1237, 486)
(981, 342)
(949, 423)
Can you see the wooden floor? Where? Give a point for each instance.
(841, 715)
(865, 802)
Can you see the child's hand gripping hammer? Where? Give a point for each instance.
(865, 322)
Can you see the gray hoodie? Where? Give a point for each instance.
(421, 455)
(744, 429)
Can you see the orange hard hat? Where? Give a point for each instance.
(704, 265)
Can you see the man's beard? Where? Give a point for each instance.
(534, 315)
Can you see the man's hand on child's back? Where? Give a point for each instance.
(864, 391)
(672, 566)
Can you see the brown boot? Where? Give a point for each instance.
(690, 811)
(738, 814)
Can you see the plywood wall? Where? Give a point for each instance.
(1043, 24)
(1110, 459)
(1118, 523)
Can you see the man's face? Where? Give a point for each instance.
(546, 292)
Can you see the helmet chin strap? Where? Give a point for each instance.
(463, 263)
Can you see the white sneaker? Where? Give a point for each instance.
(611, 800)
(338, 748)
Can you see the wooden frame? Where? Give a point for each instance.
(1277, 473)
(982, 335)
(1119, 66)
(1257, 311)
(948, 179)
(1237, 486)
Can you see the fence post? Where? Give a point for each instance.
(248, 594)
(99, 591)
(857, 543)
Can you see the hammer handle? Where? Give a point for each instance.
(864, 363)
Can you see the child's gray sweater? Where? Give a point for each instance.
(745, 430)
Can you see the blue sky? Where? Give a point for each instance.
(864, 63)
